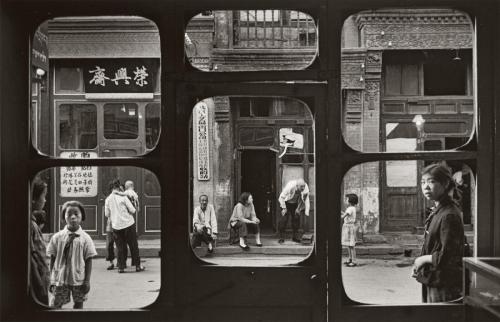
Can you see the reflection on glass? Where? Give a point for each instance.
(389, 226)
(98, 193)
(77, 126)
(247, 40)
(392, 72)
(271, 141)
(153, 112)
(121, 121)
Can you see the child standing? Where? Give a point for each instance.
(71, 251)
(349, 228)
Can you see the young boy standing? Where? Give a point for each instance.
(71, 251)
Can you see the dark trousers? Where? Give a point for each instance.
(244, 228)
(124, 237)
(200, 236)
(441, 294)
(110, 246)
(290, 213)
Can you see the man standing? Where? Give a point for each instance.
(119, 208)
(204, 224)
(293, 200)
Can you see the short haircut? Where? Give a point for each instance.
(203, 195)
(244, 198)
(352, 198)
(72, 203)
(115, 184)
(39, 186)
(442, 174)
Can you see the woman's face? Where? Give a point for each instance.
(39, 203)
(431, 188)
(250, 200)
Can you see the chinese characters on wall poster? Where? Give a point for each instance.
(78, 181)
(202, 148)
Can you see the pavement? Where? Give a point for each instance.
(373, 281)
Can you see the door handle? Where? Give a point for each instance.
(106, 151)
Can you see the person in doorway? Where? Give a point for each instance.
(294, 200)
(71, 251)
(349, 228)
(439, 267)
(119, 208)
(39, 271)
(204, 224)
(244, 220)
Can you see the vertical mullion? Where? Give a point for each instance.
(298, 30)
(264, 27)
(255, 29)
(272, 28)
(282, 12)
(248, 28)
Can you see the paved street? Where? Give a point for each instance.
(109, 289)
(382, 281)
(378, 281)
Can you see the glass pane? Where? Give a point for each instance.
(121, 121)
(91, 193)
(153, 124)
(69, 79)
(260, 164)
(251, 40)
(385, 226)
(77, 126)
(95, 81)
(398, 68)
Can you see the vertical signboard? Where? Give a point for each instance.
(202, 145)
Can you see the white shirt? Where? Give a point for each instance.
(289, 192)
(72, 270)
(205, 218)
(120, 210)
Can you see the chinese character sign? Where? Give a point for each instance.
(202, 146)
(120, 75)
(78, 181)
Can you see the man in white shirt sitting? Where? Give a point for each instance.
(204, 224)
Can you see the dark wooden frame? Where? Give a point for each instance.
(19, 161)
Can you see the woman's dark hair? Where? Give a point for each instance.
(115, 184)
(442, 174)
(72, 203)
(352, 198)
(244, 198)
(38, 188)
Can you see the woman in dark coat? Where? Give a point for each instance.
(439, 268)
(39, 270)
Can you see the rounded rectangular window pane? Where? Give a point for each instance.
(268, 162)
(406, 80)
(385, 217)
(251, 40)
(91, 91)
(77, 126)
(102, 200)
(121, 121)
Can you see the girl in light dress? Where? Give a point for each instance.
(349, 228)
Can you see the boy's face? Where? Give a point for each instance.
(73, 218)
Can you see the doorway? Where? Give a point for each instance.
(258, 176)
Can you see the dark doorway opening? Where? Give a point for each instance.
(258, 176)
